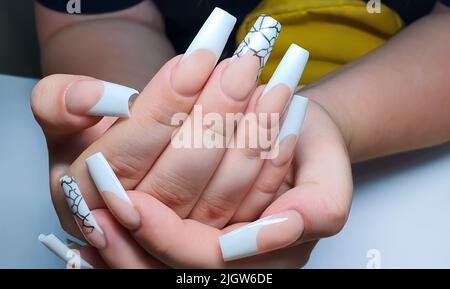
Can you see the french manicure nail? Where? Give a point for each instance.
(99, 98)
(282, 84)
(112, 191)
(295, 117)
(201, 57)
(289, 70)
(264, 235)
(214, 33)
(240, 76)
(82, 214)
(66, 254)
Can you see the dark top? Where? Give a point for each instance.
(184, 17)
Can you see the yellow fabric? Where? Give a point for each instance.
(333, 31)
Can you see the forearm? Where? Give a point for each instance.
(126, 47)
(397, 98)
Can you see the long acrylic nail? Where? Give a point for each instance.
(295, 117)
(282, 84)
(66, 254)
(82, 214)
(99, 98)
(260, 40)
(289, 70)
(250, 58)
(214, 33)
(264, 235)
(203, 54)
(112, 191)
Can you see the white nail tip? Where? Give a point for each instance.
(115, 101)
(62, 251)
(214, 33)
(78, 205)
(260, 39)
(295, 117)
(290, 69)
(104, 177)
(242, 242)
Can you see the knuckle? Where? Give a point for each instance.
(157, 114)
(335, 214)
(172, 189)
(125, 168)
(214, 208)
(266, 186)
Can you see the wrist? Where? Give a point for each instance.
(334, 109)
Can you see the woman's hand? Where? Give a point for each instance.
(223, 94)
(133, 146)
(313, 205)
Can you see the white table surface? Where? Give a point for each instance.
(401, 205)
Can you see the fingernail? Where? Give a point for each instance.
(283, 82)
(250, 58)
(82, 214)
(214, 33)
(289, 70)
(112, 191)
(66, 254)
(200, 59)
(295, 117)
(267, 234)
(99, 98)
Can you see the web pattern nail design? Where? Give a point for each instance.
(260, 39)
(77, 204)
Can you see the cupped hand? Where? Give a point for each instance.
(138, 151)
(312, 205)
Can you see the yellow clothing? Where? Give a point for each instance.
(335, 32)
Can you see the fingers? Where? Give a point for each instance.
(229, 185)
(182, 171)
(99, 227)
(318, 205)
(65, 104)
(121, 250)
(274, 170)
(176, 242)
(190, 244)
(323, 186)
(132, 145)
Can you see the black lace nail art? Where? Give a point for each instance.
(77, 204)
(260, 39)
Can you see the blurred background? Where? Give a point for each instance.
(18, 45)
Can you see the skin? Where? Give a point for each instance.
(351, 118)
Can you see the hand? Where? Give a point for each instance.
(121, 178)
(230, 87)
(316, 207)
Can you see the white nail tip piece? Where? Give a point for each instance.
(290, 69)
(104, 177)
(242, 242)
(63, 252)
(214, 33)
(295, 117)
(115, 101)
(78, 205)
(261, 39)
